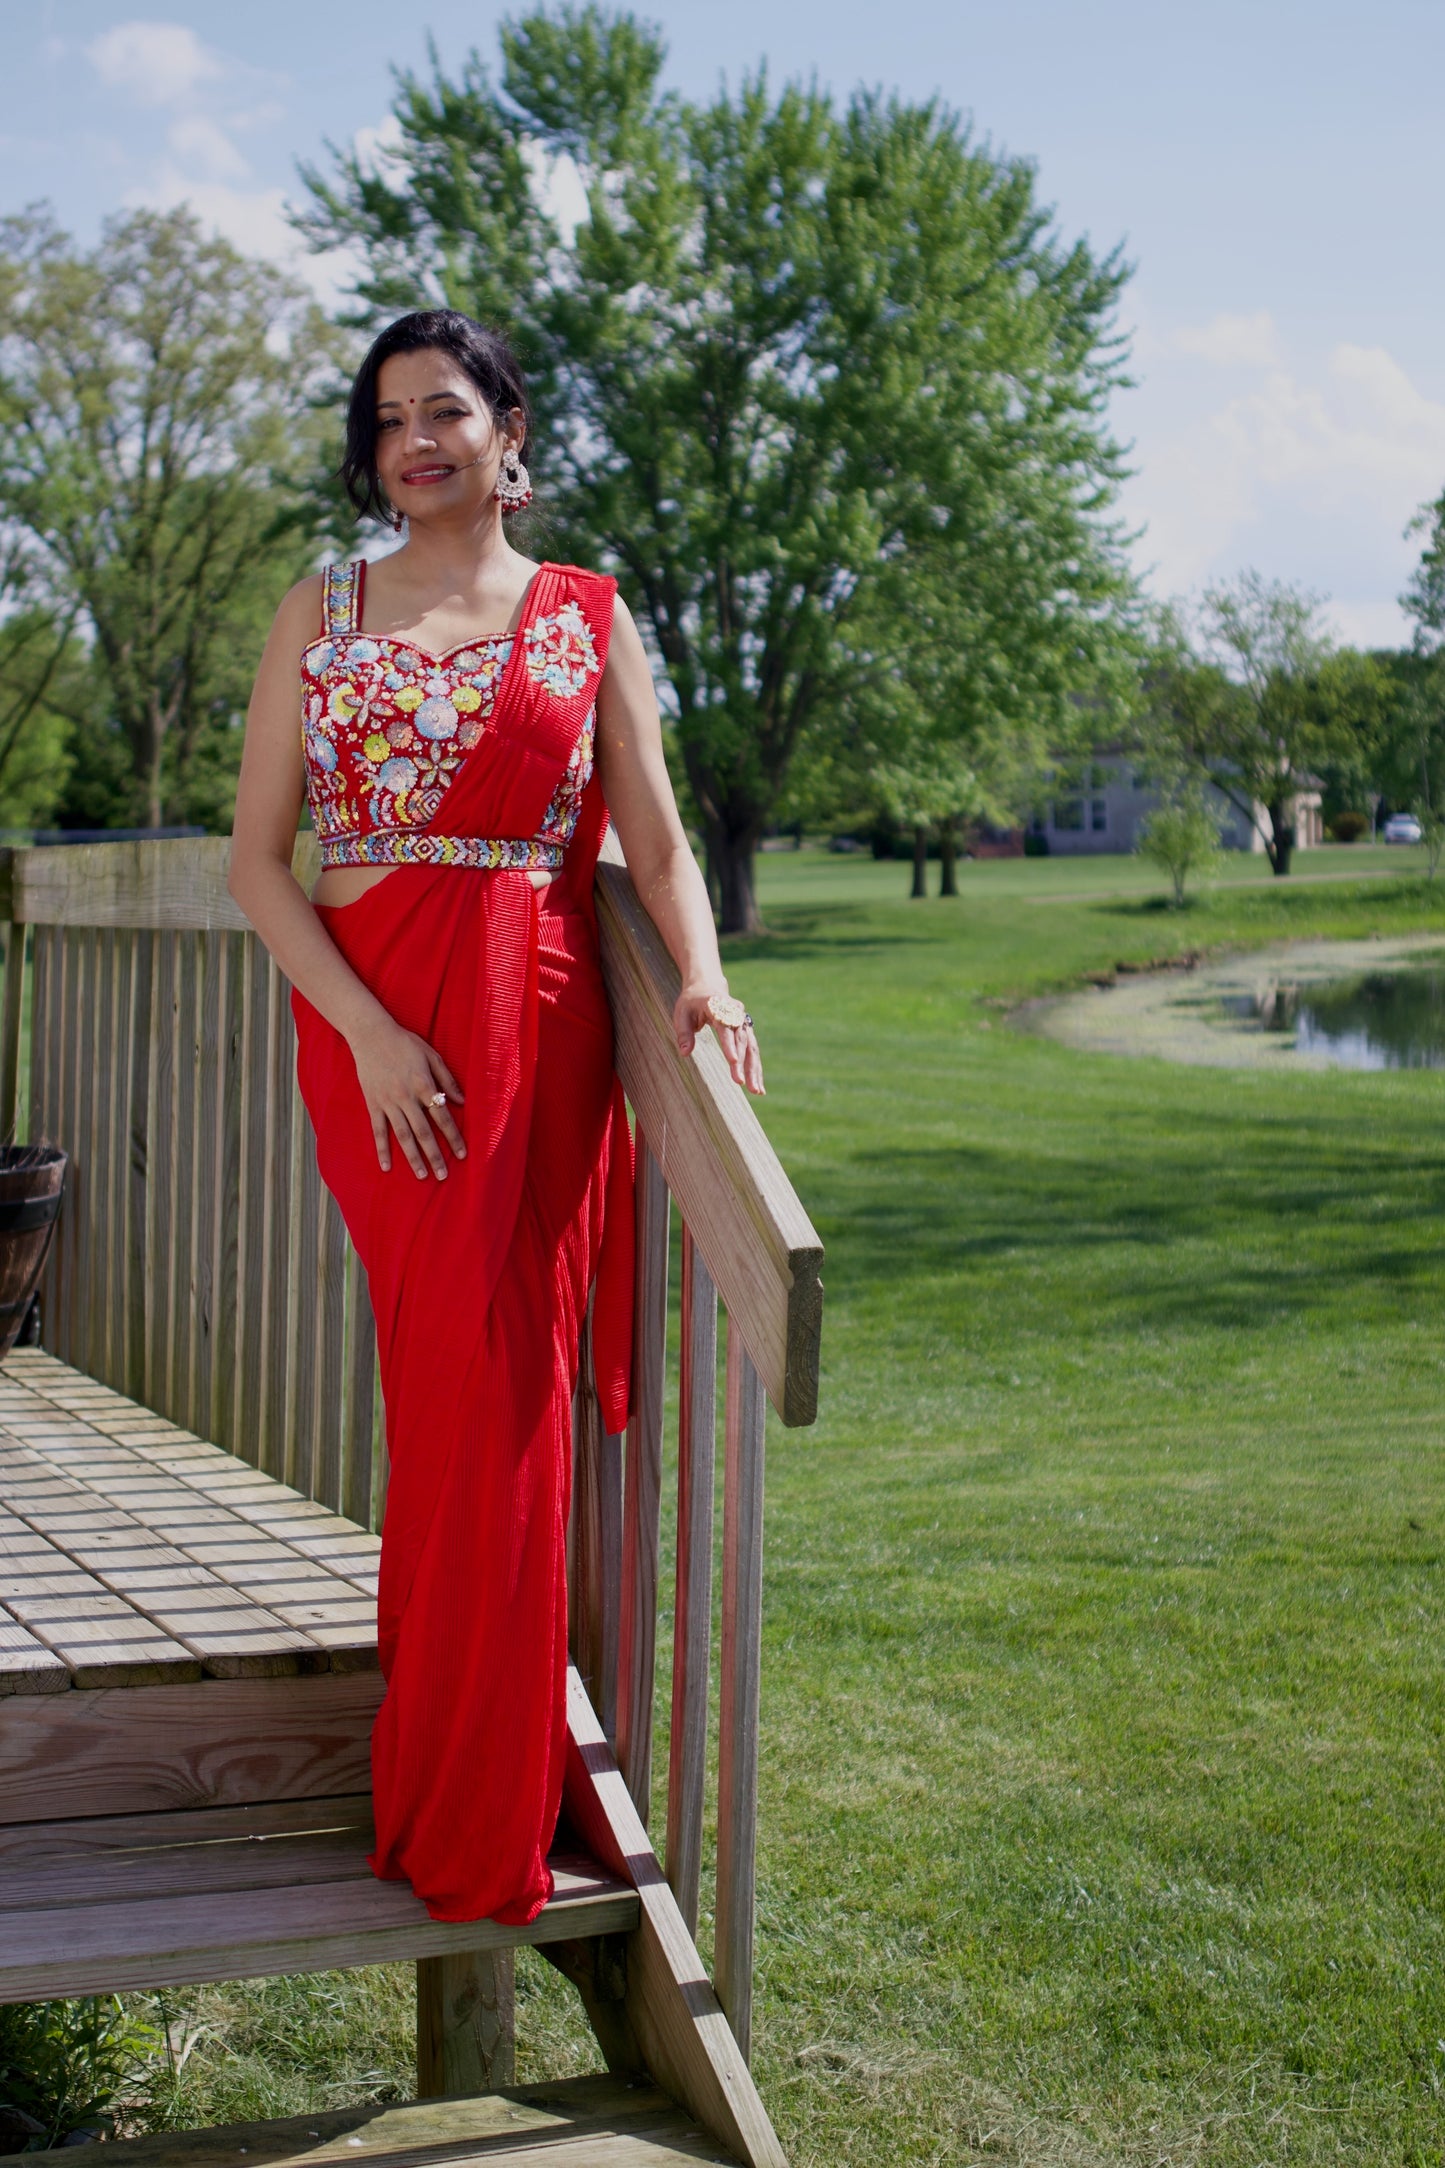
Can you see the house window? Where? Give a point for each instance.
(1069, 816)
(1098, 777)
(1100, 822)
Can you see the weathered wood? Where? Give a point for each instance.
(642, 1500)
(11, 1024)
(27, 1666)
(247, 1933)
(251, 1263)
(137, 1167)
(160, 1224)
(114, 1151)
(742, 1628)
(223, 1742)
(270, 1448)
(180, 1400)
(692, 1609)
(466, 2022)
(358, 1468)
(206, 1204)
(593, 2122)
(760, 1246)
(676, 2017)
(178, 884)
(219, 1421)
(324, 1480)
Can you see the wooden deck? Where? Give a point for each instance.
(187, 1652)
(577, 2123)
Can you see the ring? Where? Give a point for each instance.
(438, 1099)
(727, 1010)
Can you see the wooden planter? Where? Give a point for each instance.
(32, 1181)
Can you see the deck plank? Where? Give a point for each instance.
(591, 2122)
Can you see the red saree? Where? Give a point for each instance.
(480, 1284)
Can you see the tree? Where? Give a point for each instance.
(794, 365)
(1258, 701)
(1413, 763)
(149, 393)
(1181, 836)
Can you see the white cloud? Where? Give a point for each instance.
(206, 148)
(1309, 469)
(1232, 342)
(158, 63)
(376, 150)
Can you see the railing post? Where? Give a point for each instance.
(742, 1626)
(642, 1497)
(692, 1617)
(14, 999)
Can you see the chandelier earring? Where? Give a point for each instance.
(514, 487)
(398, 521)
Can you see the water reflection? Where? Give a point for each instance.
(1375, 1020)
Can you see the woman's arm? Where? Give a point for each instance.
(397, 1071)
(665, 874)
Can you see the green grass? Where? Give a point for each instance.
(1101, 1693)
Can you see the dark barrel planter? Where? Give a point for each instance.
(32, 1180)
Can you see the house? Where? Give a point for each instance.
(1111, 797)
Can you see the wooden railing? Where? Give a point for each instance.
(202, 1268)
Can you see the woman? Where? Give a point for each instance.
(463, 720)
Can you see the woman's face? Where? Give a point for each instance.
(437, 446)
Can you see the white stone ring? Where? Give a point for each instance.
(438, 1099)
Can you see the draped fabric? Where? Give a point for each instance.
(480, 1285)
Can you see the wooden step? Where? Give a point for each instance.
(576, 2123)
(138, 1901)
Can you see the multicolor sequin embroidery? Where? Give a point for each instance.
(386, 729)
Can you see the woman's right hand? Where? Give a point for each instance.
(398, 1073)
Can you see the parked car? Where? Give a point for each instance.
(1402, 828)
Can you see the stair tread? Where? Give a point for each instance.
(159, 1899)
(593, 2122)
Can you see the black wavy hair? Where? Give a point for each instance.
(483, 353)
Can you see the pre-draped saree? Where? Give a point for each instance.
(481, 1283)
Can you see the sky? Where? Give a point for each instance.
(1273, 172)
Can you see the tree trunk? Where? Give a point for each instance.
(948, 854)
(920, 862)
(734, 860)
(1282, 846)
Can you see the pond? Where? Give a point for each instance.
(1371, 1020)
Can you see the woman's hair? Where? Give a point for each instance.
(487, 360)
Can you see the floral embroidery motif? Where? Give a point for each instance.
(560, 654)
(386, 729)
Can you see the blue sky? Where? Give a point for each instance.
(1274, 170)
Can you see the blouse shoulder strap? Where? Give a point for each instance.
(594, 593)
(341, 597)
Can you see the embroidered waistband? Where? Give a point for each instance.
(409, 848)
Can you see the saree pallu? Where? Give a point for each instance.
(480, 1286)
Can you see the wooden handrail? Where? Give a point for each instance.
(759, 1245)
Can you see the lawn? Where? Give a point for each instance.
(1101, 1692)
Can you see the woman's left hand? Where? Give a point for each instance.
(740, 1045)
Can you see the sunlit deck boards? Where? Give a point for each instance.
(133, 1553)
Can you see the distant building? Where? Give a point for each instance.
(1111, 798)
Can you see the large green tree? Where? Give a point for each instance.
(789, 356)
(154, 429)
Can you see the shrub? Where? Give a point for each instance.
(1181, 837)
(1035, 846)
(63, 2065)
(1349, 827)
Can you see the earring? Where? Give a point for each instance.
(397, 521)
(514, 488)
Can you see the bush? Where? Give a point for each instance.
(1035, 846)
(64, 2065)
(1182, 837)
(1349, 827)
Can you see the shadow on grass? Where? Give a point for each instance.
(1287, 1218)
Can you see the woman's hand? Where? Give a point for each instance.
(740, 1046)
(398, 1074)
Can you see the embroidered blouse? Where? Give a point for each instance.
(386, 728)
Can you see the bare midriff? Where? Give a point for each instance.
(340, 885)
